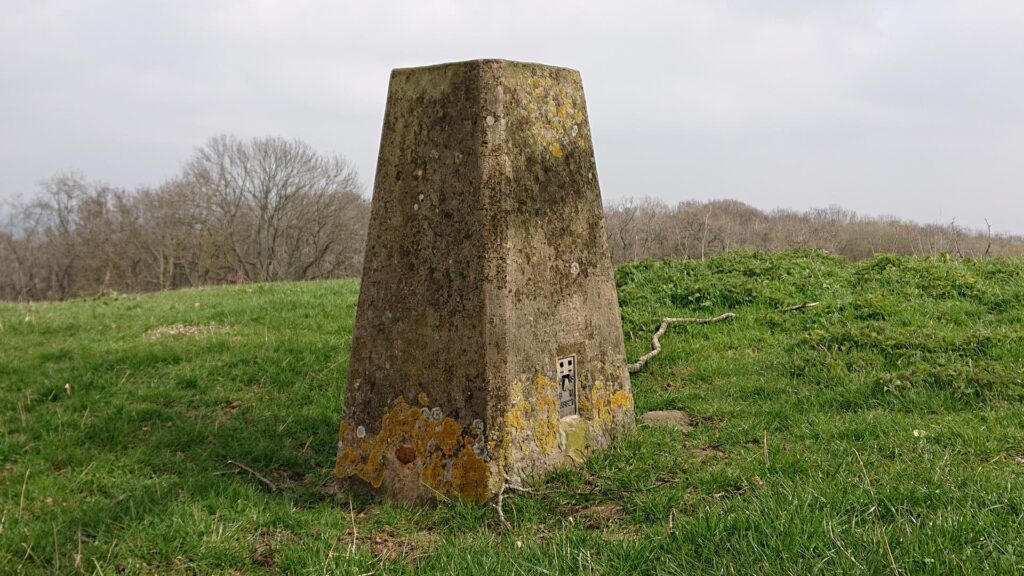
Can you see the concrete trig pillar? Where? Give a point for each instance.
(488, 345)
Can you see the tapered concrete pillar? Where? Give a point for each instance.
(488, 344)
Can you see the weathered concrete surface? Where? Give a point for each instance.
(486, 265)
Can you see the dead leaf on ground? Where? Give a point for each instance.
(597, 515)
(730, 491)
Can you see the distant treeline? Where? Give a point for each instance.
(271, 209)
(648, 228)
(240, 211)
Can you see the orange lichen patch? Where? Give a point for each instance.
(433, 473)
(347, 460)
(556, 149)
(438, 450)
(469, 475)
(447, 435)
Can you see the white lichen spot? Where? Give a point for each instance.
(480, 449)
(415, 207)
(575, 129)
(489, 120)
(420, 197)
(478, 425)
(425, 412)
(575, 268)
(418, 173)
(436, 413)
(361, 432)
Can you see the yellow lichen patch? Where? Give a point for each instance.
(546, 401)
(621, 400)
(556, 149)
(438, 450)
(532, 418)
(598, 405)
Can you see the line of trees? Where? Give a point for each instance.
(240, 211)
(271, 209)
(649, 228)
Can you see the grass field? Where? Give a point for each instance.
(881, 432)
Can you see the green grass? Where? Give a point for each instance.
(893, 413)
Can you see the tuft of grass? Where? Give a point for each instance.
(880, 432)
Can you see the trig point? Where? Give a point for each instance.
(488, 345)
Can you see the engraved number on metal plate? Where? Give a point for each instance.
(567, 386)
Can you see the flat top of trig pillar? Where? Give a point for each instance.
(485, 61)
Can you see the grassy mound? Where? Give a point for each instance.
(882, 431)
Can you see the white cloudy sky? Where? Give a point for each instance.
(910, 108)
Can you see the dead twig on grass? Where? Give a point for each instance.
(764, 445)
(500, 500)
(665, 323)
(499, 506)
(270, 485)
(800, 307)
(878, 515)
(352, 515)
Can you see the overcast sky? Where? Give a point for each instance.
(914, 109)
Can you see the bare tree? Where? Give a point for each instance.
(278, 203)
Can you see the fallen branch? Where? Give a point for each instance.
(498, 506)
(352, 514)
(800, 307)
(500, 500)
(255, 474)
(665, 323)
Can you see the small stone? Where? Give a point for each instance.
(669, 419)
